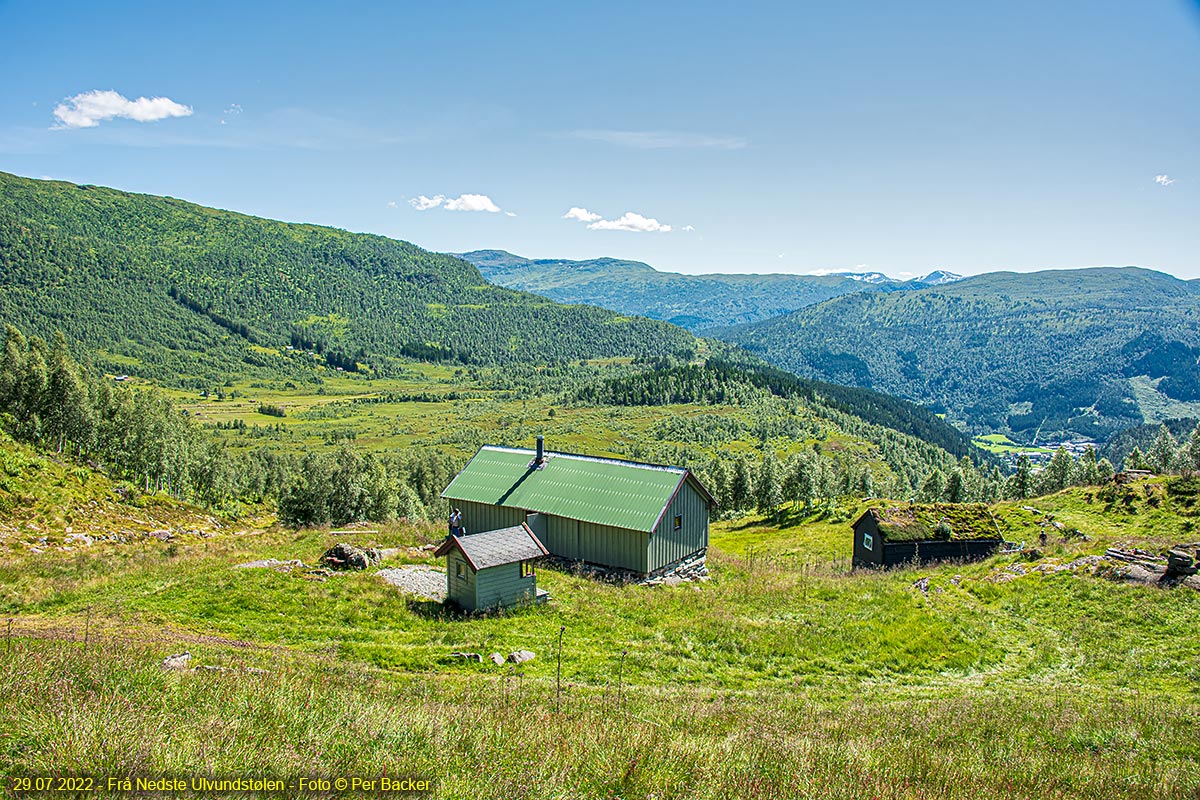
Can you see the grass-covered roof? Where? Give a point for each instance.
(911, 522)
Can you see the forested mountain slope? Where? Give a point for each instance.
(1056, 351)
(697, 302)
(179, 292)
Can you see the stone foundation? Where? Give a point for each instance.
(688, 568)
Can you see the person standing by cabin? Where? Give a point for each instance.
(455, 522)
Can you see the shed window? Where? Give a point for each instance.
(460, 570)
(678, 522)
(526, 569)
(868, 540)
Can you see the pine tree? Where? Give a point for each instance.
(1190, 452)
(740, 489)
(1135, 459)
(934, 487)
(768, 486)
(1057, 474)
(1162, 452)
(956, 490)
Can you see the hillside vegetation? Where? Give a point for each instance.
(187, 295)
(696, 302)
(1051, 352)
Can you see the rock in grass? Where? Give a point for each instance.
(347, 556)
(497, 659)
(520, 656)
(1180, 563)
(179, 661)
(468, 656)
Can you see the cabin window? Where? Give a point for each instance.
(526, 569)
(678, 522)
(868, 540)
(459, 570)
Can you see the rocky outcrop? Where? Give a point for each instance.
(348, 556)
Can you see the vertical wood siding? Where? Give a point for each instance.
(612, 547)
(668, 545)
(862, 556)
(562, 537)
(460, 590)
(503, 586)
(479, 517)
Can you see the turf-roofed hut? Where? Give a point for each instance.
(889, 535)
(637, 518)
(493, 569)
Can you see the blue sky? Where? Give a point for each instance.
(769, 137)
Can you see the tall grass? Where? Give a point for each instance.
(113, 710)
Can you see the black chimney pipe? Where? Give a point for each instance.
(541, 449)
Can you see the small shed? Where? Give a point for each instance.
(890, 535)
(635, 518)
(493, 569)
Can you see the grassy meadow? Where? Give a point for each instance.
(784, 675)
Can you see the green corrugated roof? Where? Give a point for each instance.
(602, 491)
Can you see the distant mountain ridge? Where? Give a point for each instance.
(697, 302)
(1082, 352)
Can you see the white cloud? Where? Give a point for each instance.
(424, 203)
(464, 202)
(89, 109)
(1163, 180)
(233, 110)
(391, 203)
(472, 202)
(630, 221)
(509, 214)
(581, 214)
(659, 140)
(688, 228)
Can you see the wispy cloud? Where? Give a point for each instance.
(1163, 180)
(464, 202)
(662, 140)
(233, 110)
(687, 228)
(89, 109)
(630, 221)
(423, 203)
(581, 214)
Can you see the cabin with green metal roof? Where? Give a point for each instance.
(639, 518)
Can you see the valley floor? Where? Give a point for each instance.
(785, 675)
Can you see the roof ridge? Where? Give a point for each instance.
(596, 459)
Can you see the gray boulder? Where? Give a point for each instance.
(520, 656)
(179, 661)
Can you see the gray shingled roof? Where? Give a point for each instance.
(493, 548)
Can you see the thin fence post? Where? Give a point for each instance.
(87, 628)
(558, 678)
